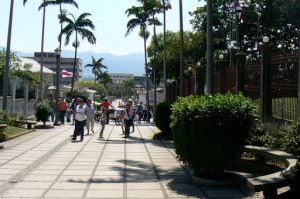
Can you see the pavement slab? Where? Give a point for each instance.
(46, 164)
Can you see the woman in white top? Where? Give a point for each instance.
(80, 118)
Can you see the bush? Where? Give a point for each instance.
(286, 138)
(210, 131)
(43, 111)
(292, 176)
(162, 117)
(257, 135)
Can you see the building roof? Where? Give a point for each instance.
(36, 67)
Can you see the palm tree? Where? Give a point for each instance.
(42, 51)
(104, 78)
(166, 6)
(154, 7)
(96, 66)
(142, 18)
(7, 58)
(62, 12)
(79, 26)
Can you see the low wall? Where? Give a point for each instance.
(20, 106)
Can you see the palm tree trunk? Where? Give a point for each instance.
(154, 70)
(165, 53)
(42, 54)
(147, 81)
(7, 58)
(74, 66)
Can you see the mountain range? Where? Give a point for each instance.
(130, 63)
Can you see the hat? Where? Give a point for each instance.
(129, 100)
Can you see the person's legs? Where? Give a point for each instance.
(52, 115)
(76, 130)
(88, 126)
(92, 124)
(127, 129)
(62, 116)
(102, 130)
(107, 117)
(82, 129)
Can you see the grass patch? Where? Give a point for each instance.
(12, 131)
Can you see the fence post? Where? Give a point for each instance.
(241, 57)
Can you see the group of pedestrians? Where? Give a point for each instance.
(83, 114)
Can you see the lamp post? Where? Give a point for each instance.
(265, 98)
(222, 63)
(240, 61)
(189, 71)
(57, 54)
(199, 78)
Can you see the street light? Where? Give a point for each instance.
(222, 63)
(199, 78)
(189, 71)
(265, 81)
(57, 54)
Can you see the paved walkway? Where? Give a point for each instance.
(46, 164)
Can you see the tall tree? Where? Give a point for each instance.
(104, 78)
(61, 11)
(42, 51)
(96, 66)
(141, 18)
(79, 26)
(7, 59)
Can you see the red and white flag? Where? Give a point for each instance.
(66, 73)
(238, 10)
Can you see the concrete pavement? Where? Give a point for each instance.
(46, 164)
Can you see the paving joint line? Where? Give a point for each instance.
(154, 168)
(181, 164)
(70, 162)
(23, 173)
(97, 164)
(28, 149)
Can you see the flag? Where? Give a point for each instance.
(66, 73)
(239, 13)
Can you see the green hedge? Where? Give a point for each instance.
(162, 117)
(209, 131)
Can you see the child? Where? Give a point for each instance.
(103, 122)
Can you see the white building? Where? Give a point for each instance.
(117, 86)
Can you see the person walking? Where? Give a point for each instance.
(140, 109)
(106, 104)
(73, 109)
(127, 117)
(62, 107)
(103, 122)
(80, 118)
(52, 104)
(90, 116)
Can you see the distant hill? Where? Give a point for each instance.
(130, 63)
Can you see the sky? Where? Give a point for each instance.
(108, 17)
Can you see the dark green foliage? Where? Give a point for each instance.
(10, 119)
(292, 176)
(43, 111)
(162, 117)
(209, 131)
(286, 138)
(257, 135)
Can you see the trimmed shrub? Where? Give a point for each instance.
(162, 117)
(43, 111)
(210, 131)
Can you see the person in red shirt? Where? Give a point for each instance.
(106, 104)
(62, 106)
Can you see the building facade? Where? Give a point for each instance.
(117, 86)
(49, 61)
